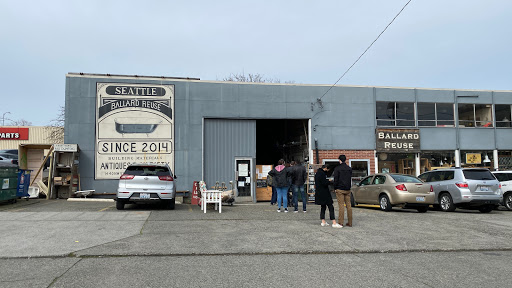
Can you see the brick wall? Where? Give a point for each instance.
(351, 154)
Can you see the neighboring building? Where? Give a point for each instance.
(220, 131)
(12, 136)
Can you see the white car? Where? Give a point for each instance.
(146, 183)
(505, 178)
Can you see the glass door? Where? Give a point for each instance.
(243, 176)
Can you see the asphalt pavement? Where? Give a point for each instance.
(58, 243)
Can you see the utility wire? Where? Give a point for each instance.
(366, 49)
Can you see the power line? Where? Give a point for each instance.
(365, 50)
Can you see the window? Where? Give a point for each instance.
(405, 179)
(501, 176)
(395, 114)
(435, 114)
(475, 115)
(379, 179)
(503, 116)
(366, 181)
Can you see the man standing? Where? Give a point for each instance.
(299, 176)
(342, 183)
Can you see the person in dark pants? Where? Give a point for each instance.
(280, 176)
(342, 183)
(270, 183)
(299, 176)
(323, 197)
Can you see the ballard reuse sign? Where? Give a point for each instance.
(398, 140)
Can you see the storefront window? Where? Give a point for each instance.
(471, 159)
(430, 160)
(475, 115)
(395, 113)
(503, 115)
(396, 163)
(435, 114)
(505, 160)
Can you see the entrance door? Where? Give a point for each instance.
(244, 177)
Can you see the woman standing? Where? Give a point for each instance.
(323, 197)
(280, 176)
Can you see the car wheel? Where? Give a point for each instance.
(422, 209)
(486, 208)
(385, 205)
(507, 201)
(171, 204)
(446, 203)
(119, 205)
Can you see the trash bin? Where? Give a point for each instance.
(23, 183)
(8, 182)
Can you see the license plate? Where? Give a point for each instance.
(144, 196)
(484, 188)
(420, 199)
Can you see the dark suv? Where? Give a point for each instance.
(464, 188)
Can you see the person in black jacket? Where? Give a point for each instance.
(323, 197)
(342, 183)
(299, 177)
(280, 176)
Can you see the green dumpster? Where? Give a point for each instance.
(8, 182)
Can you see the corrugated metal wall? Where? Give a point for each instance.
(36, 135)
(223, 141)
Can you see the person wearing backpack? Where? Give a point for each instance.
(280, 176)
(270, 182)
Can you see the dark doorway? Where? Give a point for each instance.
(281, 139)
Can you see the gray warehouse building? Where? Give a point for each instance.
(224, 131)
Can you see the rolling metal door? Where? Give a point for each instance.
(225, 139)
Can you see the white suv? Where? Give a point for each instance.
(146, 183)
(505, 178)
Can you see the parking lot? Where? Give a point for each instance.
(94, 234)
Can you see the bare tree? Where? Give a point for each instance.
(254, 78)
(20, 122)
(56, 127)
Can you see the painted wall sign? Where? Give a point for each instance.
(13, 133)
(134, 124)
(398, 140)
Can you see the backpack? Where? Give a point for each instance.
(270, 180)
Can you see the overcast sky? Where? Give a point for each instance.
(463, 44)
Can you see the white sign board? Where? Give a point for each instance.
(65, 147)
(134, 124)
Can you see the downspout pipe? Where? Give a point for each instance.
(316, 151)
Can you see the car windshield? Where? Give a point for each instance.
(405, 179)
(478, 174)
(147, 171)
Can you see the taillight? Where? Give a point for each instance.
(127, 177)
(166, 178)
(462, 184)
(431, 188)
(401, 187)
(500, 186)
